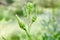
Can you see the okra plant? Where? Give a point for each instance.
(27, 11)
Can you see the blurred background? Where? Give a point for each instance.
(46, 26)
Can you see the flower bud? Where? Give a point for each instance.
(21, 25)
(28, 8)
(34, 19)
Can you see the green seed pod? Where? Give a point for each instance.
(21, 25)
(34, 19)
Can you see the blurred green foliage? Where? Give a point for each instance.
(19, 12)
(15, 37)
(30, 12)
(9, 1)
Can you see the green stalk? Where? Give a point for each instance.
(28, 35)
(29, 26)
(22, 26)
(29, 20)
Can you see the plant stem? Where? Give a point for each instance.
(28, 34)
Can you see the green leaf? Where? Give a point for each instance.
(3, 38)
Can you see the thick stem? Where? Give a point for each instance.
(28, 35)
